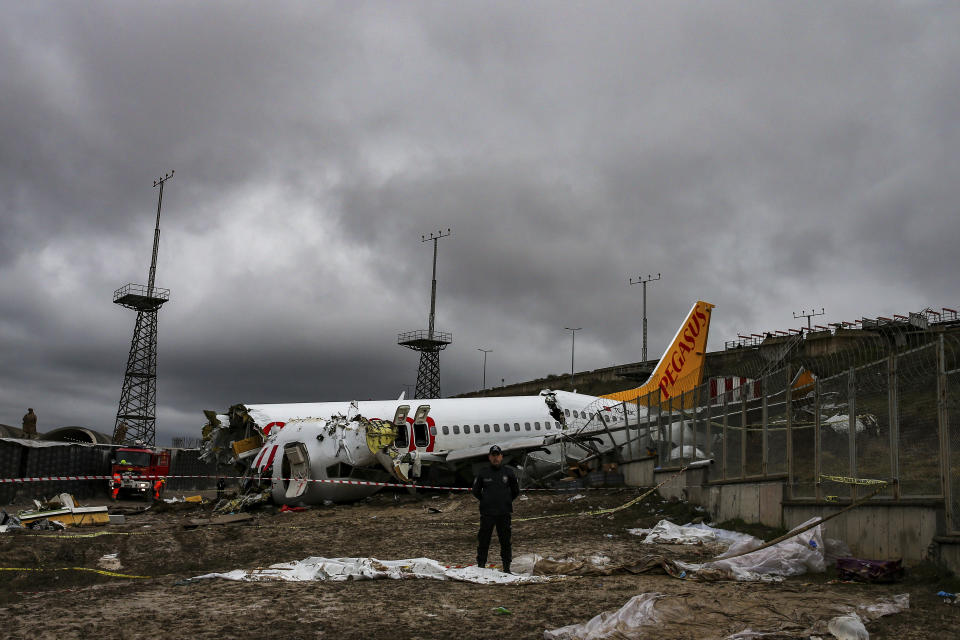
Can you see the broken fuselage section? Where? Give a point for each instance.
(310, 459)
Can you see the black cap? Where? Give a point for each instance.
(495, 449)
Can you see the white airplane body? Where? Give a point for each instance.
(307, 445)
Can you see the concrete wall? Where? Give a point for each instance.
(639, 473)
(877, 531)
(750, 501)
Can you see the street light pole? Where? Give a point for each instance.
(573, 344)
(644, 281)
(485, 352)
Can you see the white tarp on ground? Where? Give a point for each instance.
(794, 556)
(669, 616)
(665, 532)
(628, 620)
(802, 553)
(339, 569)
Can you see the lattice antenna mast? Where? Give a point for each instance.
(136, 415)
(433, 287)
(644, 281)
(813, 314)
(430, 342)
(156, 233)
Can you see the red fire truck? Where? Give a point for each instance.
(136, 468)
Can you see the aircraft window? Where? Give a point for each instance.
(486, 428)
(567, 412)
(476, 428)
(456, 429)
(496, 428)
(433, 431)
(536, 425)
(446, 430)
(526, 425)
(547, 424)
(516, 426)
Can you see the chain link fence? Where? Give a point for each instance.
(868, 405)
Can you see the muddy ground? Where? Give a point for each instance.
(65, 604)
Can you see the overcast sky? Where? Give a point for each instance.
(768, 157)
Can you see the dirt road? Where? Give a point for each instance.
(79, 604)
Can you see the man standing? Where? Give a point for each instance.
(30, 425)
(496, 487)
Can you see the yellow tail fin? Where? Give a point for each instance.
(681, 368)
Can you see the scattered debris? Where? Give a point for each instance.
(43, 524)
(869, 570)
(287, 508)
(340, 569)
(579, 496)
(227, 519)
(668, 616)
(66, 511)
(502, 611)
(948, 598)
(8, 522)
(244, 502)
(798, 554)
(110, 562)
(848, 627)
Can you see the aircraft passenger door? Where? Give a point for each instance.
(296, 467)
(402, 440)
(421, 433)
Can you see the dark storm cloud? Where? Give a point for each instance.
(766, 157)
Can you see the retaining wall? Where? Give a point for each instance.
(877, 530)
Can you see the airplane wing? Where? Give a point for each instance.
(520, 444)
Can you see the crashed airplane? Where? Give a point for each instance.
(345, 444)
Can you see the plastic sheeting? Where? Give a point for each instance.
(657, 615)
(627, 621)
(341, 569)
(796, 555)
(665, 532)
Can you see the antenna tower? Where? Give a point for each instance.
(813, 314)
(644, 281)
(430, 342)
(136, 416)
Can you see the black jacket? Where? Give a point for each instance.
(496, 488)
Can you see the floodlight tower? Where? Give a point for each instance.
(430, 342)
(136, 416)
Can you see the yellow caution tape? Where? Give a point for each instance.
(100, 571)
(97, 535)
(600, 512)
(846, 480)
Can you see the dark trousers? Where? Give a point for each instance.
(487, 523)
